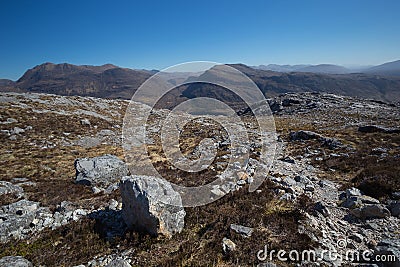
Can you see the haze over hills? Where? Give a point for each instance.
(387, 69)
(390, 69)
(110, 81)
(321, 68)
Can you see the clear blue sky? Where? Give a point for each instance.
(157, 34)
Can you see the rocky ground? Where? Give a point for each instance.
(334, 185)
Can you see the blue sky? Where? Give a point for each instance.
(158, 34)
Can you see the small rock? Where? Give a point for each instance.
(371, 211)
(241, 182)
(309, 187)
(9, 188)
(243, 230)
(287, 197)
(118, 263)
(302, 179)
(326, 183)
(85, 122)
(352, 202)
(288, 159)
(357, 201)
(112, 204)
(322, 208)
(304, 135)
(267, 264)
(15, 261)
(289, 182)
(17, 130)
(19, 180)
(228, 245)
(368, 200)
(331, 143)
(78, 213)
(100, 171)
(353, 192)
(394, 208)
(96, 190)
(377, 128)
(11, 120)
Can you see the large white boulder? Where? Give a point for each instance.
(151, 205)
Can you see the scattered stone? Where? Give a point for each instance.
(267, 264)
(10, 120)
(322, 208)
(287, 197)
(151, 205)
(377, 128)
(17, 218)
(118, 263)
(7, 188)
(331, 143)
(309, 188)
(358, 201)
(370, 211)
(228, 245)
(289, 181)
(15, 261)
(78, 213)
(394, 208)
(274, 105)
(288, 159)
(113, 204)
(100, 171)
(243, 230)
(96, 190)
(326, 183)
(19, 180)
(353, 192)
(17, 130)
(85, 122)
(304, 135)
(302, 179)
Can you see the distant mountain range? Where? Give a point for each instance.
(110, 81)
(387, 69)
(107, 81)
(273, 83)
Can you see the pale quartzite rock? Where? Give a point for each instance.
(100, 171)
(15, 261)
(144, 208)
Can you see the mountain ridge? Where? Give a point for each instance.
(110, 81)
